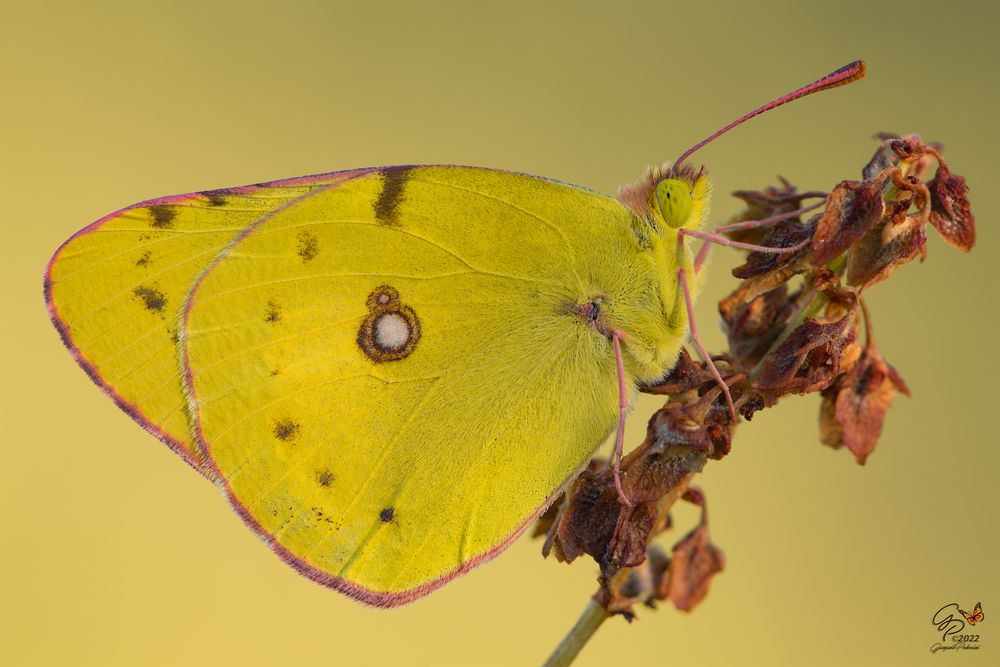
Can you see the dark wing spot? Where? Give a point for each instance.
(387, 515)
(393, 181)
(286, 430)
(153, 299)
(308, 246)
(215, 197)
(144, 260)
(273, 313)
(163, 216)
(324, 478)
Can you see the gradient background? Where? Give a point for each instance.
(115, 553)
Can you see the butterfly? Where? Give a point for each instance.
(389, 372)
(976, 616)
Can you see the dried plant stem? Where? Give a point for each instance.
(577, 637)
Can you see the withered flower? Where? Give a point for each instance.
(792, 327)
(810, 358)
(785, 234)
(684, 376)
(852, 208)
(683, 577)
(593, 522)
(853, 411)
(893, 242)
(770, 201)
(951, 214)
(753, 326)
(695, 560)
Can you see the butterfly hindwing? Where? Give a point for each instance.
(388, 377)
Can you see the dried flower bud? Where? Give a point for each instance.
(683, 577)
(765, 203)
(544, 523)
(753, 287)
(683, 377)
(595, 523)
(853, 410)
(810, 358)
(852, 209)
(951, 214)
(908, 149)
(785, 234)
(883, 158)
(695, 560)
(874, 258)
(752, 327)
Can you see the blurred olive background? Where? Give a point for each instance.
(115, 553)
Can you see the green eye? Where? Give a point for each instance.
(675, 201)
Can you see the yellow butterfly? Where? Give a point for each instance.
(390, 372)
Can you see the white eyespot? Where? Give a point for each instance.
(391, 331)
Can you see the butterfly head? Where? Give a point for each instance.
(670, 198)
(683, 197)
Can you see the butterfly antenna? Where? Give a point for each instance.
(843, 76)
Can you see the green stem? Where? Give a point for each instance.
(575, 639)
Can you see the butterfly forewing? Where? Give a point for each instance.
(114, 291)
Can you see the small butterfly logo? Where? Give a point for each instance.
(976, 616)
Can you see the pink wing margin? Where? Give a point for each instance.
(65, 332)
(360, 593)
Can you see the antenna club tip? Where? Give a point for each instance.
(847, 74)
(852, 71)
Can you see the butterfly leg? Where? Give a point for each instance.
(722, 240)
(682, 281)
(699, 261)
(616, 337)
(706, 245)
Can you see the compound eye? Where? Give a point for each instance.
(674, 199)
